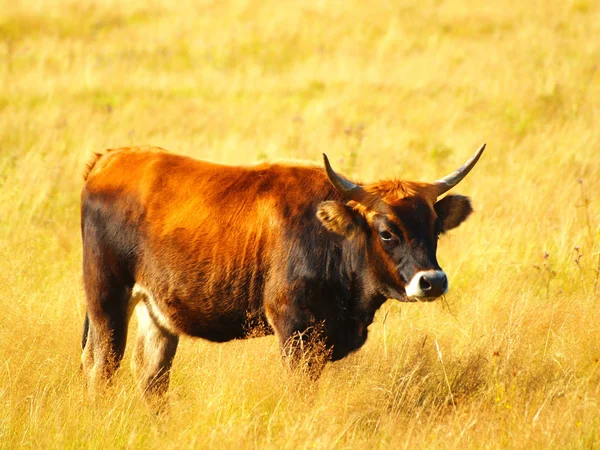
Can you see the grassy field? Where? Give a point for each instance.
(388, 89)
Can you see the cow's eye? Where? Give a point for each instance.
(386, 235)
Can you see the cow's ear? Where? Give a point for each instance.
(453, 210)
(339, 218)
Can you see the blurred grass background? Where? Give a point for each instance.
(388, 89)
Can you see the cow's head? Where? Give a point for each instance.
(397, 224)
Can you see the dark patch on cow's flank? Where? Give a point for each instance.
(236, 252)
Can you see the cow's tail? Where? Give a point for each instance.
(90, 165)
(93, 160)
(86, 330)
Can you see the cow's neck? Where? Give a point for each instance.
(366, 298)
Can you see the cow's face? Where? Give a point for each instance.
(396, 225)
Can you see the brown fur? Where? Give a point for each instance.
(218, 250)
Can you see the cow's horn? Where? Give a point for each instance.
(449, 181)
(348, 189)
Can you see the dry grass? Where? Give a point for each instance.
(386, 90)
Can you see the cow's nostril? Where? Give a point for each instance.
(424, 284)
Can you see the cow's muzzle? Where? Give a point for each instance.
(427, 285)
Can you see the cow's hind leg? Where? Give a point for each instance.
(108, 309)
(153, 355)
(105, 329)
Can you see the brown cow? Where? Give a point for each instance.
(213, 251)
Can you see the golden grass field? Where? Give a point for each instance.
(388, 89)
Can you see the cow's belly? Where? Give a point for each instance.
(200, 317)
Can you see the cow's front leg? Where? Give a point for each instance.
(305, 351)
(302, 339)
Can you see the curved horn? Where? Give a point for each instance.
(348, 189)
(449, 181)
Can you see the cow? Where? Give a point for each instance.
(214, 251)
